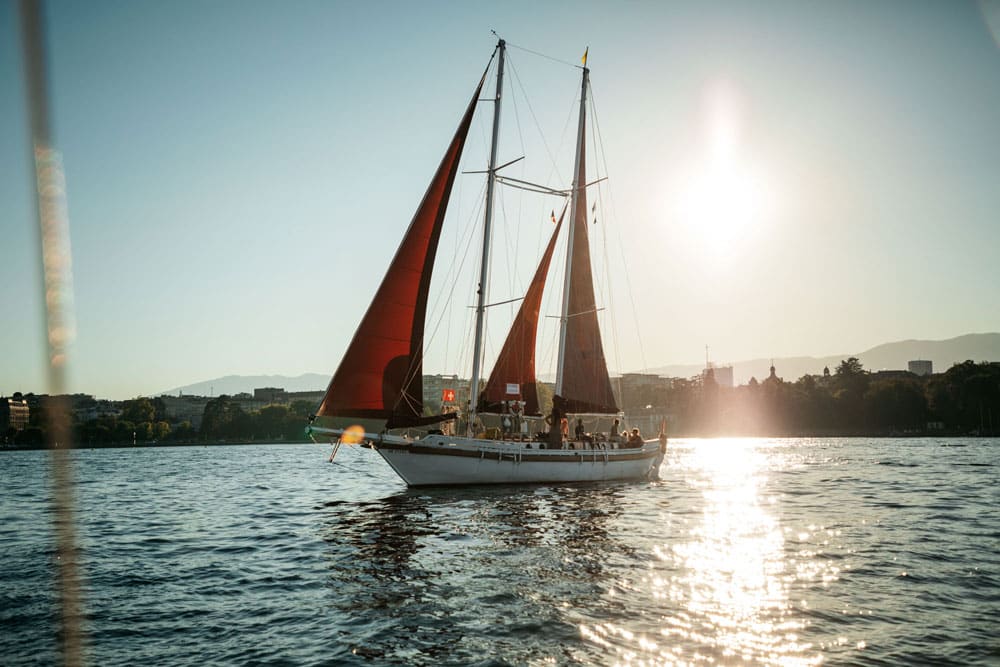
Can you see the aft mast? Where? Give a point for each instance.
(579, 183)
(582, 379)
(477, 355)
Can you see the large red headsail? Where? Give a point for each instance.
(381, 374)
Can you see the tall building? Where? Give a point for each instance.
(14, 413)
(921, 367)
(723, 374)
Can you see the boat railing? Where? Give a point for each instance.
(570, 449)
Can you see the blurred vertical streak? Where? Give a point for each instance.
(53, 227)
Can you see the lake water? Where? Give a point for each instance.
(756, 551)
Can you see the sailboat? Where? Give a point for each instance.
(380, 377)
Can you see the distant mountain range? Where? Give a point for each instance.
(888, 356)
(944, 353)
(235, 384)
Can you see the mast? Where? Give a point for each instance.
(579, 182)
(477, 354)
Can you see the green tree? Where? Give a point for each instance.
(270, 422)
(143, 432)
(183, 432)
(851, 382)
(138, 410)
(124, 432)
(895, 405)
(302, 408)
(224, 418)
(161, 430)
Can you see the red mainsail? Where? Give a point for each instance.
(381, 374)
(516, 363)
(586, 385)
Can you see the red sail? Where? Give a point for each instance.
(586, 386)
(381, 374)
(516, 363)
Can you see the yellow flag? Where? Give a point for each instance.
(585, 55)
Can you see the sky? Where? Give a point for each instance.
(784, 178)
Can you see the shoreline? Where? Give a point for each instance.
(241, 443)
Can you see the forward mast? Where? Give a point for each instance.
(477, 355)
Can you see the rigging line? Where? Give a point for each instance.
(621, 246)
(514, 183)
(562, 138)
(538, 126)
(453, 269)
(456, 271)
(523, 150)
(520, 196)
(612, 311)
(507, 248)
(427, 340)
(543, 55)
(488, 343)
(551, 302)
(449, 304)
(606, 288)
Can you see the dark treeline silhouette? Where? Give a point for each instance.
(225, 419)
(965, 400)
(145, 420)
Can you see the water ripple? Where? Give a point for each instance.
(769, 552)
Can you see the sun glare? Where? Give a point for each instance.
(723, 196)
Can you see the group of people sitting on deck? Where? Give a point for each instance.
(557, 437)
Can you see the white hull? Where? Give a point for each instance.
(444, 460)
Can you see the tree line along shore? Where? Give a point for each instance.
(850, 401)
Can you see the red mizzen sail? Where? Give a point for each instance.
(516, 363)
(586, 385)
(381, 374)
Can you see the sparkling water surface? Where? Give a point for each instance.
(748, 551)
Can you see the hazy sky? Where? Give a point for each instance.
(784, 177)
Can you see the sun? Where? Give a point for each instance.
(722, 197)
(721, 201)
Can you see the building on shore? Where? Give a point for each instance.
(439, 388)
(270, 395)
(892, 374)
(14, 413)
(185, 408)
(88, 410)
(921, 367)
(637, 389)
(723, 375)
(313, 397)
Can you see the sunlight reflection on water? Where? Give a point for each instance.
(724, 587)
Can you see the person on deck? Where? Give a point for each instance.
(635, 440)
(556, 419)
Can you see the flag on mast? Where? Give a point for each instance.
(584, 59)
(553, 216)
